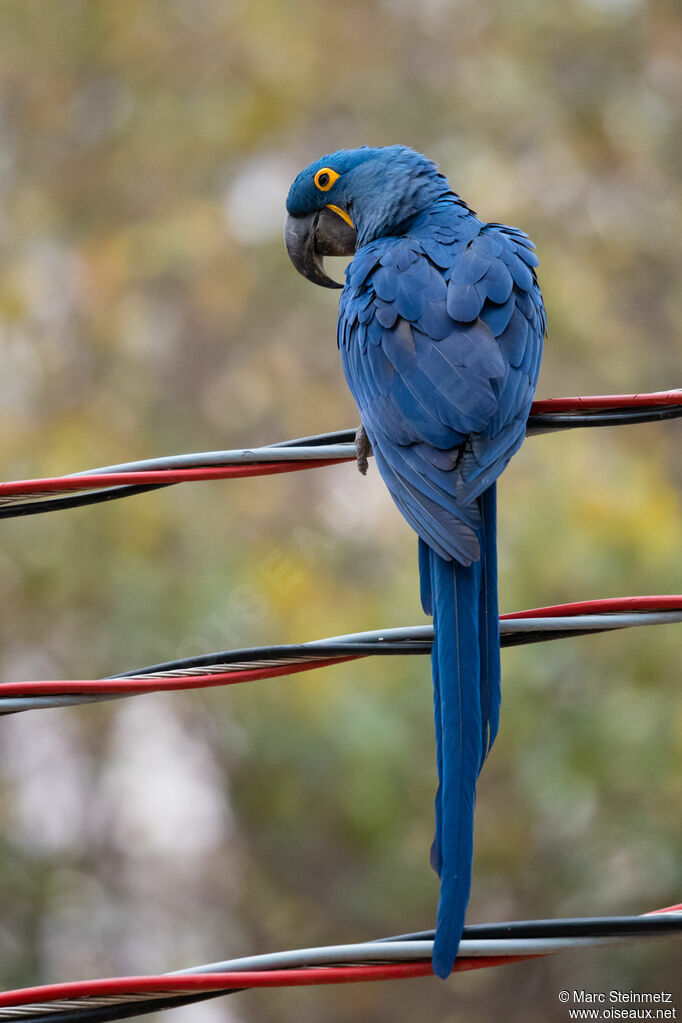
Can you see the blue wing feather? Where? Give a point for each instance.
(496, 317)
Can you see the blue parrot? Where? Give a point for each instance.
(440, 329)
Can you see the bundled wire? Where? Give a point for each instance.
(400, 957)
(30, 497)
(229, 667)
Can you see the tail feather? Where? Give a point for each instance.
(465, 669)
(489, 624)
(436, 857)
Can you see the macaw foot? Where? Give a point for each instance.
(363, 449)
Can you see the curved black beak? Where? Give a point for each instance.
(309, 238)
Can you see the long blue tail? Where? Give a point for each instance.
(466, 689)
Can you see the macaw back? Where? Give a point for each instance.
(440, 332)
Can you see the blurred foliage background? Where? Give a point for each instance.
(147, 306)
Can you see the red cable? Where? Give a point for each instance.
(57, 484)
(611, 605)
(605, 401)
(666, 909)
(161, 683)
(189, 982)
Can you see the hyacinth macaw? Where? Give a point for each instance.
(440, 329)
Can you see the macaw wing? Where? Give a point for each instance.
(443, 365)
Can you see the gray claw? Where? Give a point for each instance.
(363, 449)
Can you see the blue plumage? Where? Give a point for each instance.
(440, 331)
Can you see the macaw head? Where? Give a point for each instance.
(347, 199)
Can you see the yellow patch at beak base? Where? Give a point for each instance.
(342, 214)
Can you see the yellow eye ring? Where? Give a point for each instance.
(325, 178)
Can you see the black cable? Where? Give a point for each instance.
(375, 648)
(123, 1010)
(580, 927)
(605, 417)
(264, 653)
(15, 511)
(538, 636)
(318, 440)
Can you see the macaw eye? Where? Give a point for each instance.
(325, 178)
